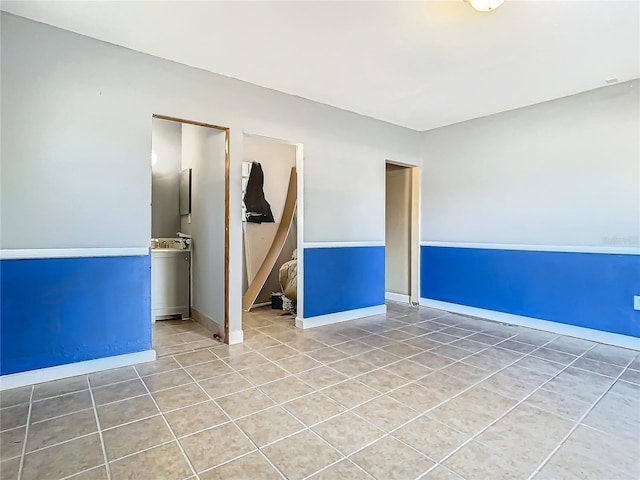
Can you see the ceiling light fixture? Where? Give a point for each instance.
(485, 5)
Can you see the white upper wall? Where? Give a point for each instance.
(562, 173)
(76, 130)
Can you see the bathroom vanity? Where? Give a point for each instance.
(170, 278)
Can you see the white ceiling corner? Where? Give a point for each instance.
(421, 65)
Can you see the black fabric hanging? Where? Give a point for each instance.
(258, 209)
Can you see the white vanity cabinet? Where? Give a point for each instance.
(170, 278)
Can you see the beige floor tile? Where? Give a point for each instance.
(246, 360)
(61, 429)
(632, 376)
(377, 341)
(60, 387)
(417, 397)
(554, 355)
(352, 366)
(245, 402)
(269, 425)
(179, 397)
(328, 355)
(462, 416)
(478, 462)
(350, 393)
(98, 473)
(348, 432)
(119, 391)
(409, 369)
(382, 380)
(623, 456)
(162, 381)
(540, 365)
(354, 347)
(252, 466)
(194, 358)
(125, 411)
(159, 366)
(15, 396)
(286, 389)
(385, 413)
(11, 443)
(112, 376)
(278, 352)
(206, 370)
(70, 457)
(321, 377)
(557, 403)
(536, 423)
(305, 344)
(442, 473)
(466, 373)
(579, 384)
(195, 418)
(314, 408)
(570, 465)
(264, 373)
(217, 445)
(434, 439)
(9, 469)
(402, 350)
(301, 455)
(225, 384)
(56, 406)
(298, 363)
(343, 470)
(612, 355)
(525, 449)
(446, 385)
(134, 437)
(12, 417)
(165, 462)
(390, 459)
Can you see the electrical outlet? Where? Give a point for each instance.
(636, 302)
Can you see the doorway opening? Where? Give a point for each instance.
(271, 231)
(190, 234)
(402, 241)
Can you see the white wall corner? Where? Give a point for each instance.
(235, 337)
(338, 317)
(40, 375)
(599, 336)
(396, 297)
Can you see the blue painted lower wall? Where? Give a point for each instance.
(589, 290)
(341, 279)
(65, 310)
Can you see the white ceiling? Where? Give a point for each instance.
(417, 64)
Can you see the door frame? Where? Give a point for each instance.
(299, 213)
(414, 226)
(226, 207)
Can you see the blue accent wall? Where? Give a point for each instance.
(62, 310)
(341, 279)
(588, 290)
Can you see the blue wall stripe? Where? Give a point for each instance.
(342, 279)
(65, 310)
(583, 289)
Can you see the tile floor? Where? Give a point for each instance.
(171, 337)
(415, 393)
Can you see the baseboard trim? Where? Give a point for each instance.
(396, 297)
(206, 321)
(21, 379)
(338, 317)
(235, 337)
(615, 339)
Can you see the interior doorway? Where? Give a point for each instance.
(402, 246)
(190, 234)
(271, 230)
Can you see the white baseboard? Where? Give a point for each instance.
(21, 379)
(396, 297)
(599, 336)
(235, 337)
(340, 316)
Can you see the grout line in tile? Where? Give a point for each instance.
(579, 421)
(102, 443)
(26, 434)
(76, 474)
(175, 439)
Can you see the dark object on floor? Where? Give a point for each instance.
(258, 209)
(276, 301)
